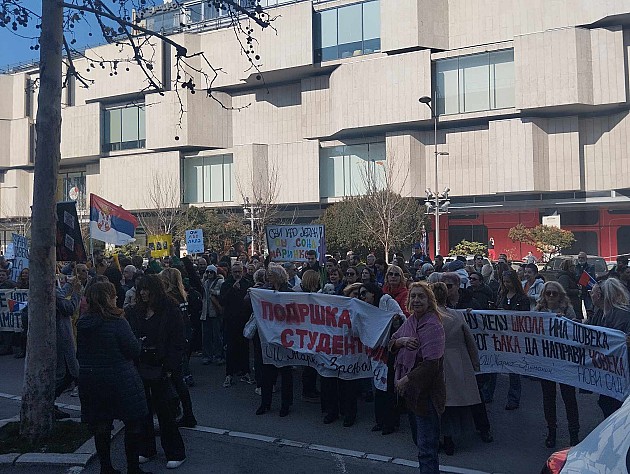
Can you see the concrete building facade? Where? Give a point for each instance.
(533, 99)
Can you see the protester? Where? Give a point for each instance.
(310, 284)
(532, 284)
(277, 280)
(480, 292)
(461, 361)
(367, 275)
(614, 301)
(294, 280)
(396, 286)
(554, 299)
(109, 384)
(156, 321)
(582, 266)
(351, 276)
(211, 318)
(566, 278)
(66, 301)
(419, 373)
(386, 412)
(174, 288)
(236, 314)
(335, 279)
(512, 297)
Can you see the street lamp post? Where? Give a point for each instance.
(248, 208)
(426, 100)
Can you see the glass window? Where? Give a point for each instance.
(371, 27)
(124, 128)
(346, 170)
(195, 13)
(447, 87)
(350, 27)
(347, 31)
(502, 79)
(208, 179)
(73, 188)
(477, 82)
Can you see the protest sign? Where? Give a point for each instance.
(8, 253)
(160, 245)
(11, 304)
(289, 243)
(20, 255)
(194, 241)
(550, 347)
(340, 337)
(69, 240)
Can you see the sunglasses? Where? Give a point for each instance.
(350, 274)
(363, 294)
(392, 274)
(551, 293)
(473, 279)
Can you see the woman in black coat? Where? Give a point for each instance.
(109, 385)
(157, 321)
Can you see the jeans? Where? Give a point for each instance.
(570, 405)
(489, 382)
(211, 343)
(425, 431)
(160, 401)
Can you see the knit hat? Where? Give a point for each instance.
(455, 265)
(211, 268)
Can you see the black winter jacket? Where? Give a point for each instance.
(169, 340)
(109, 384)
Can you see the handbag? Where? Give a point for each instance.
(249, 331)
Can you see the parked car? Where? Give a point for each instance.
(605, 450)
(470, 260)
(552, 268)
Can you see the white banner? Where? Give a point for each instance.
(194, 241)
(20, 255)
(553, 348)
(338, 336)
(289, 243)
(11, 304)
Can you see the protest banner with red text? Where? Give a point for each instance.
(554, 348)
(338, 336)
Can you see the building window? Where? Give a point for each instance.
(124, 127)
(477, 82)
(346, 170)
(208, 179)
(165, 21)
(351, 30)
(73, 188)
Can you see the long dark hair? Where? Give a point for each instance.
(98, 296)
(157, 294)
(516, 283)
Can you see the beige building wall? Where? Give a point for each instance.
(17, 193)
(81, 131)
(605, 141)
(126, 178)
(407, 24)
(406, 158)
(473, 22)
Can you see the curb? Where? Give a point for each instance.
(81, 457)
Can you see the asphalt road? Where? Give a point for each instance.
(518, 446)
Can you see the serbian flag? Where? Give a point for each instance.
(587, 280)
(110, 223)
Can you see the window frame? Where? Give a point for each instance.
(344, 51)
(203, 174)
(107, 145)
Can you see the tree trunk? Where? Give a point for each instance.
(41, 355)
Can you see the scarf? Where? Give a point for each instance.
(430, 334)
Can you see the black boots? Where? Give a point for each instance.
(550, 441)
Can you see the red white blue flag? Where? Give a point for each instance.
(586, 280)
(111, 223)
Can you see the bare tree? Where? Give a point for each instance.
(163, 205)
(261, 189)
(120, 25)
(388, 215)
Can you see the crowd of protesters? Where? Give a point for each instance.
(126, 329)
